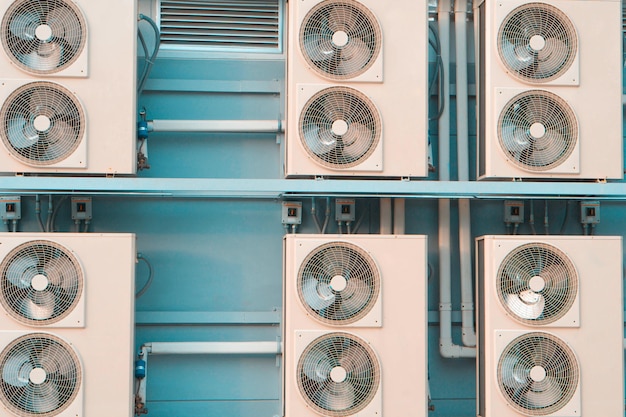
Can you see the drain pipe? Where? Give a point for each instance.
(447, 348)
(385, 216)
(398, 216)
(462, 115)
(225, 126)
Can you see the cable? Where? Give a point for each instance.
(564, 217)
(155, 52)
(38, 212)
(148, 283)
(55, 211)
(439, 74)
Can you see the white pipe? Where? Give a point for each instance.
(214, 348)
(385, 216)
(462, 128)
(447, 348)
(226, 126)
(399, 216)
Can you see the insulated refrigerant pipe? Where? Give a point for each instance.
(217, 126)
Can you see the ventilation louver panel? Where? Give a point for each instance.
(340, 39)
(537, 284)
(43, 124)
(43, 37)
(41, 283)
(537, 130)
(338, 283)
(338, 374)
(340, 127)
(41, 375)
(537, 42)
(538, 374)
(221, 24)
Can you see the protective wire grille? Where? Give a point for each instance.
(537, 130)
(340, 127)
(41, 375)
(43, 37)
(537, 42)
(538, 374)
(338, 374)
(41, 282)
(340, 39)
(42, 123)
(338, 283)
(537, 284)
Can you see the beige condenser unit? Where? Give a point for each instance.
(66, 324)
(68, 86)
(550, 326)
(357, 95)
(355, 325)
(549, 102)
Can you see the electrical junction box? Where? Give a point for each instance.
(590, 212)
(292, 212)
(345, 210)
(513, 211)
(81, 208)
(11, 208)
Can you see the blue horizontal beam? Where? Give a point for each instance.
(206, 317)
(277, 188)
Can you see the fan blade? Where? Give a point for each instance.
(62, 132)
(357, 140)
(341, 18)
(518, 57)
(45, 398)
(338, 396)
(317, 365)
(39, 307)
(46, 57)
(354, 56)
(549, 148)
(353, 360)
(24, 25)
(62, 273)
(16, 369)
(552, 56)
(514, 373)
(515, 140)
(318, 48)
(61, 20)
(21, 133)
(526, 305)
(544, 393)
(319, 140)
(54, 360)
(21, 270)
(355, 296)
(317, 295)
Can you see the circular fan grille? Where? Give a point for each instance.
(42, 123)
(41, 282)
(537, 130)
(338, 374)
(538, 374)
(537, 42)
(340, 127)
(537, 284)
(338, 283)
(43, 37)
(41, 375)
(340, 39)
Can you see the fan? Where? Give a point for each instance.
(537, 42)
(537, 283)
(338, 374)
(538, 374)
(340, 127)
(43, 123)
(43, 37)
(41, 282)
(537, 130)
(41, 375)
(340, 39)
(338, 283)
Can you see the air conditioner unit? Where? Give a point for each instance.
(63, 350)
(540, 305)
(68, 87)
(355, 305)
(339, 100)
(550, 104)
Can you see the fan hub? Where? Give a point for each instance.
(537, 130)
(340, 127)
(340, 39)
(338, 374)
(338, 283)
(37, 376)
(537, 283)
(42, 123)
(537, 42)
(39, 282)
(537, 373)
(43, 33)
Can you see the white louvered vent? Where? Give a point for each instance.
(221, 24)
